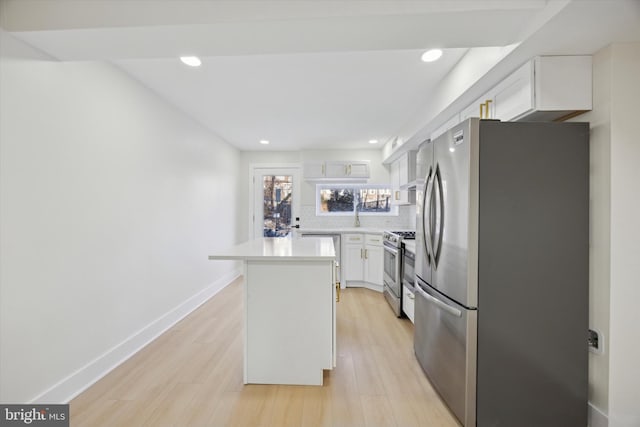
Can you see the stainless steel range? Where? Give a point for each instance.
(392, 278)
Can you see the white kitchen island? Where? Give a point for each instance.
(290, 309)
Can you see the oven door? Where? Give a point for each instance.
(392, 267)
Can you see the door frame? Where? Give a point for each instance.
(255, 169)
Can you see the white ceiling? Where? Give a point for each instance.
(306, 74)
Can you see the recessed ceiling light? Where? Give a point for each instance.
(264, 142)
(431, 55)
(192, 61)
(373, 141)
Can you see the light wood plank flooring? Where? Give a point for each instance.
(192, 376)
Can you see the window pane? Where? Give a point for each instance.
(277, 205)
(336, 200)
(374, 200)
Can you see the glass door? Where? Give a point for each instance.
(276, 201)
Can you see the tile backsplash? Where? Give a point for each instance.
(405, 220)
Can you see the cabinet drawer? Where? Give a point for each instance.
(373, 239)
(408, 304)
(353, 238)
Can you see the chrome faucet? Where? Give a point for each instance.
(356, 222)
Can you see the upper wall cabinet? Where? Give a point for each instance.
(403, 179)
(545, 88)
(336, 170)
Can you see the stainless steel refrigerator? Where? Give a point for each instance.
(502, 266)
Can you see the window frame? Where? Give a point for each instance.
(393, 211)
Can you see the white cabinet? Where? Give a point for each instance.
(362, 260)
(373, 259)
(408, 303)
(545, 88)
(339, 169)
(394, 172)
(275, 301)
(353, 254)
(333, 170)
(403, 175)
(358, 169)
(314, 170)
(514, 96)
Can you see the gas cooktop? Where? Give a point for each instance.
(396, 237)
(406, 235)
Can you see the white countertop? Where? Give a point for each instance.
(280, 249)
(366, 230)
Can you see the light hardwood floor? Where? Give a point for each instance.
(192, 376)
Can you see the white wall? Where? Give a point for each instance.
(614, 235)
(110, 202)
(600, 223)
(624, 340)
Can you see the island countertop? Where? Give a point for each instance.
(280, 249)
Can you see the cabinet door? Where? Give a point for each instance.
(402, 172)
(513, 97)
(334, 296)
(373, 264)
(336, 169)
(358, 170)
(313, 170)
(394, 172)
(408, 306)
(352, 257)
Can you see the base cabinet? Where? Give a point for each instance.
(353, 256)
(363, 260)
(275, 301)
(408, 302)
(373, 260)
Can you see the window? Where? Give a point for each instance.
(344, 199)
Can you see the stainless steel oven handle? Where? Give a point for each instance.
(442, 305)
(390, 249)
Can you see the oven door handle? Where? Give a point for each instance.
(390, 249)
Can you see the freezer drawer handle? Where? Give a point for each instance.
(442, 305)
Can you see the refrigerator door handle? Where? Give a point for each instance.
(424, 209)
(440, 304)
(427, 223)
(439, 225)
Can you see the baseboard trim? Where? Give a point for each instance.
(596, 417)
(358, 284)
(71, 386)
